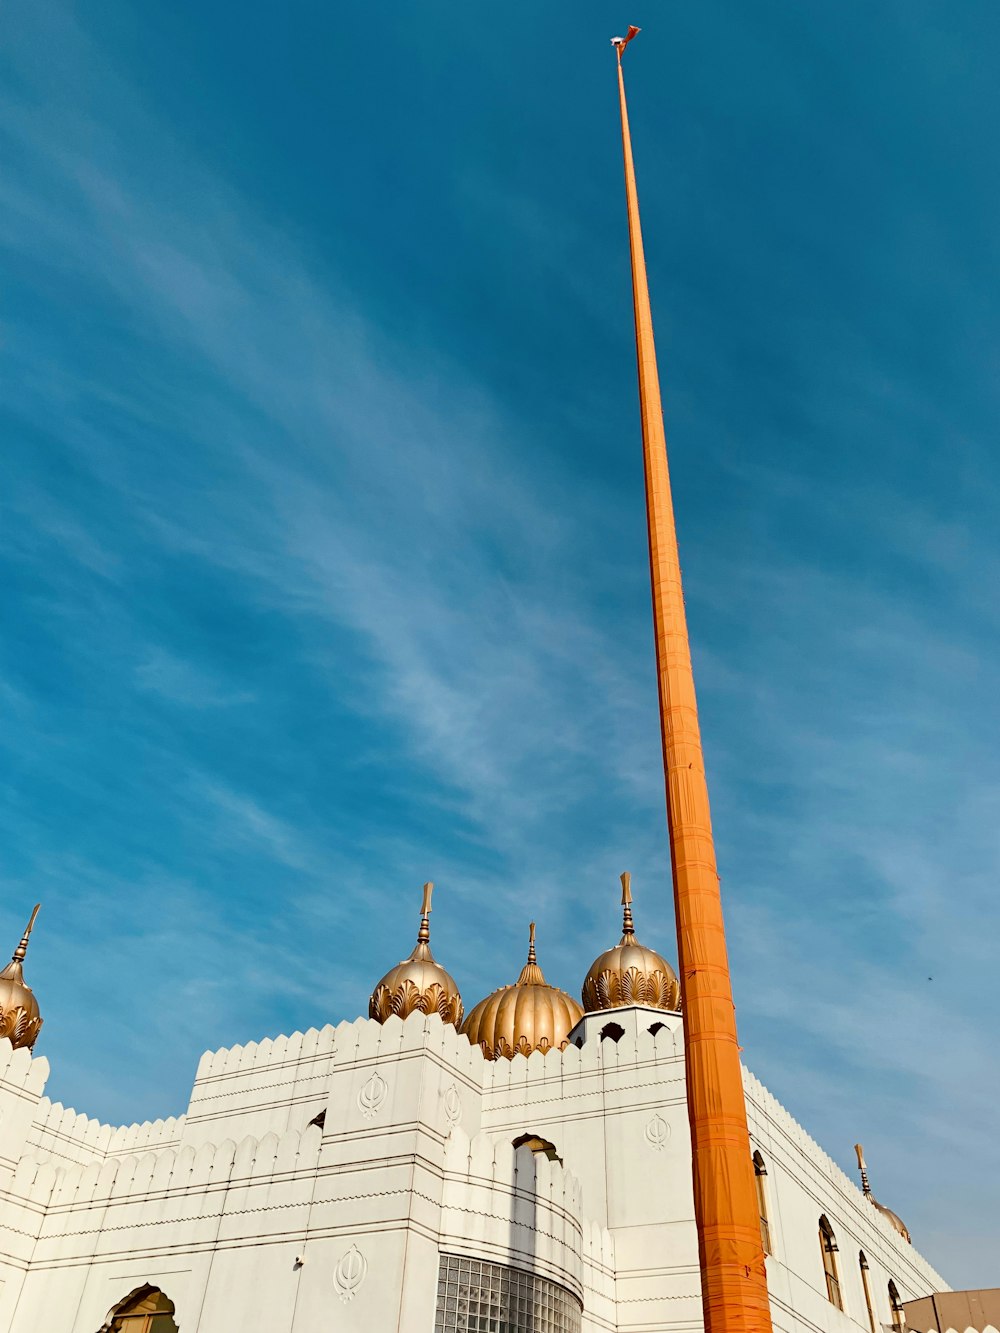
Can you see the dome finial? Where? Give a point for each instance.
(628, 925)
(418, 983)
(20, 1020)
(531, 973)
(865, 1186)
(529, 1016)
(894, 1220)
(21, 951)
(630, 973)
(424, 933)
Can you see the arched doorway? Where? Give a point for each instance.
(147, 1310)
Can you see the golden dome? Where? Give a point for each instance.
(529, 1016)
(894, 1220)
(418, 984)
(20, 1021)
(630, 973)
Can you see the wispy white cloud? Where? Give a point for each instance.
(182, 682)
(403, 544)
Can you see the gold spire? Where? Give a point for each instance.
(424, 933)
(894, 1220)
(627, 926)
(531, 973)
(529, 1016)
(733, 1277)
(419, 983)
(20, 1019)
(866, 1188)
(630, 973)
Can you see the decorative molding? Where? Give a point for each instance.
(613, 989)
(20, 1025)
(350, 1273)
(656, 1133)
(404, 998)
(453, 1105)
(372, 1096)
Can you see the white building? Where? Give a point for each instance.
(392, 1175)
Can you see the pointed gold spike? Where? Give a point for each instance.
(863, 1168)
(424, 933)
(628, 925)
(21, 951)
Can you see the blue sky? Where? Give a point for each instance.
(322, 538)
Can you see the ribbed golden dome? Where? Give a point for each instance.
(20, 1020)
(630, 973)
(892, 1218)
(418, 984)
(529, 1016)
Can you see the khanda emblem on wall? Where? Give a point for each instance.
(657, 1132)
(453, 1105)
(350, 1273)
(372, 1095)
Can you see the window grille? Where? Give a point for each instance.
(482, 1297)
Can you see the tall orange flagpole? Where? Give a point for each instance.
(731, 1252)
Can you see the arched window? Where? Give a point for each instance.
(863, 1264)
(538, 1145)
(147, 1310)
(612, 1031)
(828, 1248)
(760, 1181)
(896, 1306)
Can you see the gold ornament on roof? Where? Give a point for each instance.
(20, 1020)
(630, 973)
(894, 1220)
(529, 1016)
(418, 984)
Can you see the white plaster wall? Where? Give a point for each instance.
(616, 1113)
(364, 1204)
(803, 1183)
(22, 1082)
(248, 1218)
(263, 1087)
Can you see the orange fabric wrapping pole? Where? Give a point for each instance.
(731, 1253)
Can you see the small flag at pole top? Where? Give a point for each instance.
(620, 43)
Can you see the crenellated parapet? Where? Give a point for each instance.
(341, 1157)
(261, 1087)
(20, 1071)
(149, 1135)
(66, 1137)
(22, 1082)
(950, 1328)
(517, 1207)
(785, 1142)
(114, 1204)
(288, 1082)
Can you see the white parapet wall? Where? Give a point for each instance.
(22, 1082)
(316, 1179)
(803, 1183)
